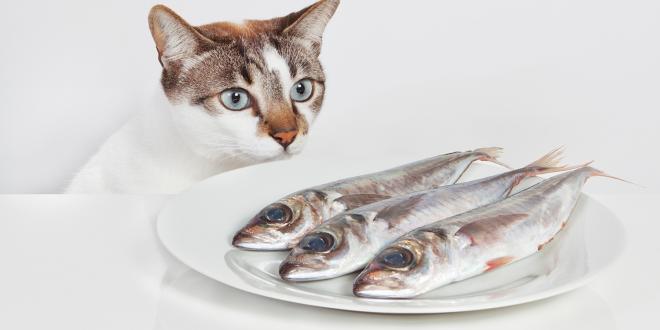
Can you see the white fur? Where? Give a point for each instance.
(167, 148)
(276, 63)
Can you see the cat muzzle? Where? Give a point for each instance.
(285, 138)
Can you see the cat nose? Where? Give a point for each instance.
(285, 138)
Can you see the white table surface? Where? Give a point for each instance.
(94, 262)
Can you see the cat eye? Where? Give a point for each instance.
(302, 90)
(317, 242)
(397, 258)
(235, 99)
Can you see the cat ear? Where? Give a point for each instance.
(175, 39)
(309, 23)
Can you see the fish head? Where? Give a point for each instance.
(405, 269)
(280, 225)
(331, 250)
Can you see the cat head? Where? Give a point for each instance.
(249, 91)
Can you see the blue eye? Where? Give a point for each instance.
(235, 99)
(397, 258)
(277, 213)
(317, 242)
(302, 90)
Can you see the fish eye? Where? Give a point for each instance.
(235, 99)
(397, 258)
(302, 90)
(277, 213)
(317, 242)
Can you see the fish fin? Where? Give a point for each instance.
(357, 200)
(550, 163)
(395, 212)
(485, 230)
(497, 262)
(491, 154)
(356, 217)
(596, 172)
(551, 159)
(435, 231)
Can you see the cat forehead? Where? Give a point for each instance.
(239, 60)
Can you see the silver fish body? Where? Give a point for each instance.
(280, 225)
(473, 242)
(348, 241)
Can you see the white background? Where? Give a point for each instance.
(413, 77)
(410, 77)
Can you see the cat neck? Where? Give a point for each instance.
(149, 154)
(159, 136)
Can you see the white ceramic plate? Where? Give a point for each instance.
(197, 227)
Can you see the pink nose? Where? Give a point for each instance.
(285, 138)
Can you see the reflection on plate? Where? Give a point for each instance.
(198, 225)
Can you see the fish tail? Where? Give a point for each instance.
(597, 172)
(550, 163)
(491, 155)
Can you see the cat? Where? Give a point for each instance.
(230, 95)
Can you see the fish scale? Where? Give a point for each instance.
(477, 241)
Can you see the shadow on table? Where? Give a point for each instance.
(190, 300)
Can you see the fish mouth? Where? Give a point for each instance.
(367, 289)
(366, 286)
(250, 242)
(294, 271)
(364, 290)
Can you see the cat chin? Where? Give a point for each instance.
(279, 155)
(246, 157)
